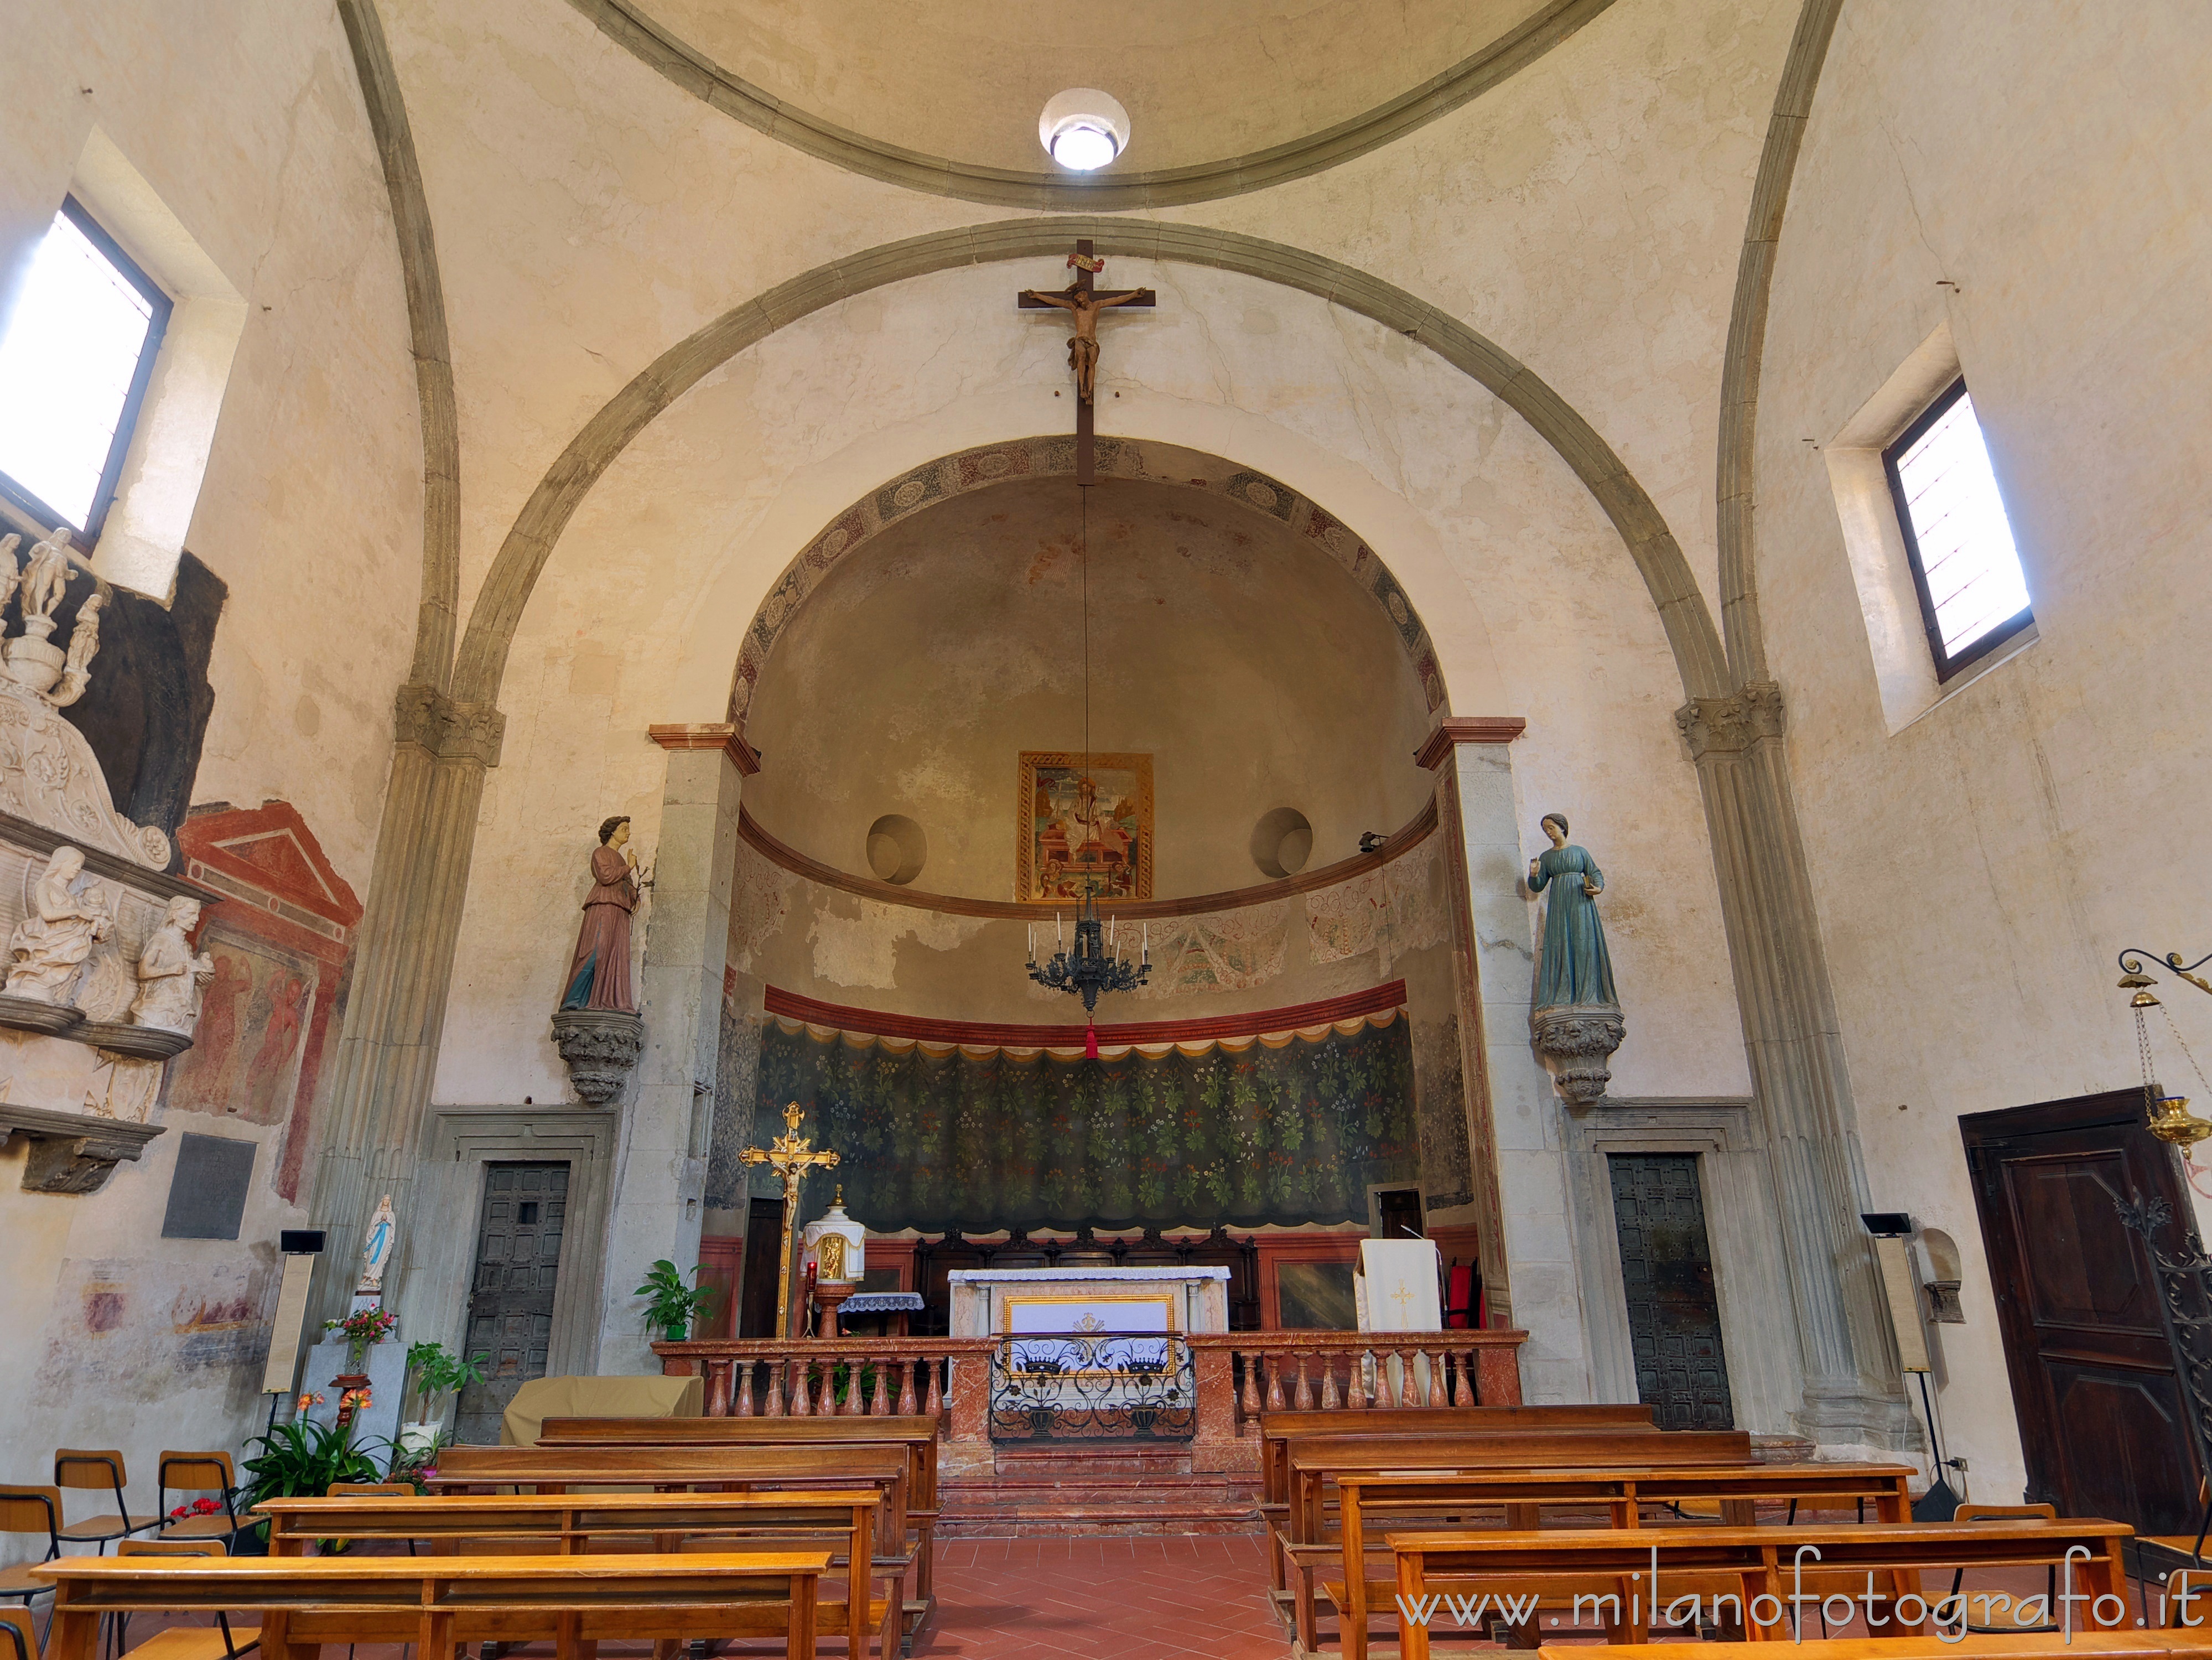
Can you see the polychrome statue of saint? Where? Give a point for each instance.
(1576, 969)
(598, 975)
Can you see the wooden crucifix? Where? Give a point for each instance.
(1082, 303)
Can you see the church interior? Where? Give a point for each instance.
(1127, 832)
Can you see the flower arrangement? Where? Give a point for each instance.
(362, 1328)
(197, 1507)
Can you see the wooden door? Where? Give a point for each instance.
(763, 1252)
(511, 1295)
(720, 1261)
(1666, 1273)
(2101, 1411)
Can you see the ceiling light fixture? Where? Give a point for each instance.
(1083, 128)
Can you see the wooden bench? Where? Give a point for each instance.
(1278, 1429)
(664, 1468)
(1745, 1566)
(1316, 1460)
(435, 1602)
(1524, 1495)
(917, 1436)
(661, 1523)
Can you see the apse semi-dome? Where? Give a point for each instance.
(1083, 128)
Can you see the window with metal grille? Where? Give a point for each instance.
(77, 350)
(1974, 594)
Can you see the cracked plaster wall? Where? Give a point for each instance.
(1978, 870)
(246, 121)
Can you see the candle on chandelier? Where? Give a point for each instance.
(1148, 941)
(1032, 942)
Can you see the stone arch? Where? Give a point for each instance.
(691, 70)
(989, 464)
(482, 662)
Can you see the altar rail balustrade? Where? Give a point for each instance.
(1239, 1375)
(1352, 1371)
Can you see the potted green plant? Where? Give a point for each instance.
(434, 1376)
(301, 1460)
(671, 1305)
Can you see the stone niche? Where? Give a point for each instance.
(101, 988)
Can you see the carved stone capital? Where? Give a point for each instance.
(600, 1046)
(1730, 725)
(427, 718)
(1577, 1040)
(70, 1152)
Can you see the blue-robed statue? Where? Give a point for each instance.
(1576, 968)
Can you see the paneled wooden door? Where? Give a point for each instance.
(2100, 1409)
(511, 1294)
(1666, 1273)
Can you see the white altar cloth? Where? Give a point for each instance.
(988, 1301)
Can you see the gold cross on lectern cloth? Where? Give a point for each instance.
(790, 1155)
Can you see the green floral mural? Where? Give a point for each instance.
(1244, 1136)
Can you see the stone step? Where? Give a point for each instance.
(1109, 1458)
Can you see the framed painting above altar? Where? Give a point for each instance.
(1082, 829)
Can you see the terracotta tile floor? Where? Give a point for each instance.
(1103, 1599)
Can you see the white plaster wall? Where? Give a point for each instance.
(1533, 602)
(246, 118)
(1587, 215)
(1977, 871)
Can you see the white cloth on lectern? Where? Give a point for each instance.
(1401, 1276)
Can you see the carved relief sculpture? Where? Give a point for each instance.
(48, 773)
(67, 916)
(169, 975)
(1575, 1020)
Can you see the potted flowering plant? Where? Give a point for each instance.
(434, 1376)
(301, 1460)
(360, 1329)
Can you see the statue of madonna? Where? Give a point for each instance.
(1576, 968)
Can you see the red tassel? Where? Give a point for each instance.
(1091, 1041)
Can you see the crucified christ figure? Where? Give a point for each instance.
(1083, 306)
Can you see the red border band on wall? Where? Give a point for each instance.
(979, 1034)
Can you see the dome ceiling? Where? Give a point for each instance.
(1205, 81)
(1225, 645)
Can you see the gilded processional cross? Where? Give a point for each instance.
(790, 1155)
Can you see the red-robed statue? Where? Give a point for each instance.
(599, 977)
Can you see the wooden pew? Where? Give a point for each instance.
(1278, 1429)
(1363, 1498)
(661, 1523)
(1738, 1563)
(556, 1469)
(1316, 1460)
(436, 1602)
(917, 1436)
(2128, 1644)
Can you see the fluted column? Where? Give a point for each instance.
(1853, 1391)
(388, 1048)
